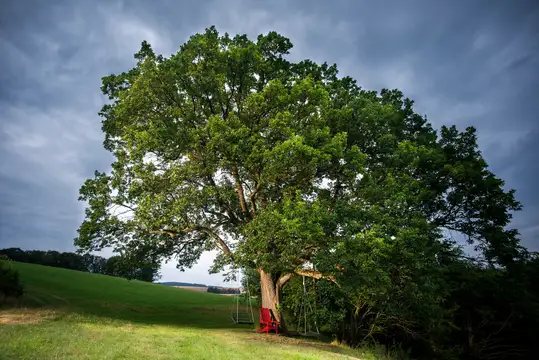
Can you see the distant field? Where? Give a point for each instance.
(178, 283)
(74, 315)
(194, 288)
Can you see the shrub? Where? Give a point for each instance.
(4, 257)
(9, 283)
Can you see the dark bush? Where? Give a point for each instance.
(9, 283)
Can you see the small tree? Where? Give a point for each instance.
(9, 283)
(128, 268)
(284, 168)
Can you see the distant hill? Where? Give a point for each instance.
(175, 283)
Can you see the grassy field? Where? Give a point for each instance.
(74, 315)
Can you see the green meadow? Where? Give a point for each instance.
(67, 314)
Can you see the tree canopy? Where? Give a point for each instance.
(289, 169)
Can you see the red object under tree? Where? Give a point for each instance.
(268, 321)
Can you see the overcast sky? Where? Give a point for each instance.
(463, 62)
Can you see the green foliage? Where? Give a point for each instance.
(124, 267)
(494, 309)
(284, 167)
(9, 282)
(228, 145)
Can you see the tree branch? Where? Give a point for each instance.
(253, 198)
(239, 189)
(233, 218)
(221, 244)
(284, 279)
(210, 104)
(450, 215)
(170, 233)
(317, 275)
(338, 187)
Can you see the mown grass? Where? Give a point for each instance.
(74, 315)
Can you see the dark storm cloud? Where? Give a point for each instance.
(465, 63)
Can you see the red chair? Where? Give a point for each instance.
(268, 321)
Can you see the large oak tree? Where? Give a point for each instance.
(283, 167)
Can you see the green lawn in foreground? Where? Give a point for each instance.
(68, 314)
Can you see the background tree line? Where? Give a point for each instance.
(222, 290)
(118, 266)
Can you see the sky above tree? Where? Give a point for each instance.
(464, 63)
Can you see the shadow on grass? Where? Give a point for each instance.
(214, 316)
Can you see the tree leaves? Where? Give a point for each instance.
(227, 144)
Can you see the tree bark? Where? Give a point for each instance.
(270, 290)
(270, 297)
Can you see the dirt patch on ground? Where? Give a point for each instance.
(292, 341)
(26, 316)
(271, 338)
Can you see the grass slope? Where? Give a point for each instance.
(74, 315)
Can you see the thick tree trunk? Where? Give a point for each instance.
(270, 296)
(267, 288)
